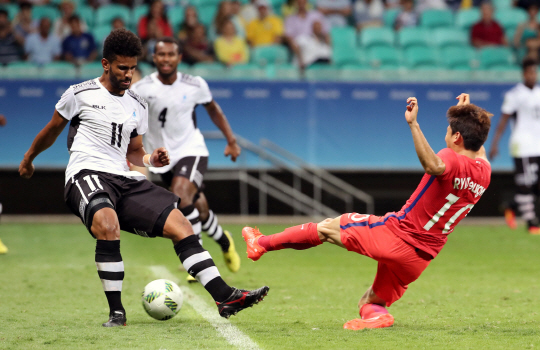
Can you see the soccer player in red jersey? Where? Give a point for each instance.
(404, 242)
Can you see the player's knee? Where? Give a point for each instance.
(177, 227)
(105, 228)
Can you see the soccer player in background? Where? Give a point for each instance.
(404, 242)
(3, 248)
(522, 106)
(106, 123)
(172, 98)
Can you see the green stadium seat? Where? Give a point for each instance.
(436, 18)
(207, 14)
(503, 4)
(87, 14)
(38, 12)
(371, 37)
(269, 54)
(106, 13)
(140, 11)
(462, 58)
(176, 17)
(90, 70)
(21, 70)
(59, 71)
(389, 17)
(343, 37)
(384, 57)
(100, 33)
(344, 55)
(465, 19)
(145, 68)
(12, 10)
(210, 70)
(413, 36)
(492, 57)
(184, 68)
(322, 72)
(510, 18)
(445, 37)
(247, 72)
(283, 72)
(421, 57)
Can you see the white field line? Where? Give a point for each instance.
(233, 335)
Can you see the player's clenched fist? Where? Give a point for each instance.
(463, 99)
(412, 110)
(26, 169)
(233, 150)
(160, 157)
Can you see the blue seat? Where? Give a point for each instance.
(176, 17)
(105, 14)
(139, 12)
(389, 17)
(87, 14)
(59, 71)
(38, 12)
(344, 55)
(462, 58)
(436, 18)
(371, 37)
(465, 19)
(207, 14)
(421, 57)
(384, 57)
(343, 37)
(91, 70)
(414, 36)
(510, 18)
(491, 57)
(100, 33)
(269, 54)
(445, 37)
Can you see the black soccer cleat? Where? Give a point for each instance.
(117, 318)
(241, 299)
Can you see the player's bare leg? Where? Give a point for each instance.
(213, 229)
(200, 265)
(372, 308)
(106, 228)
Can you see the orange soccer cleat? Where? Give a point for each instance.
(510, 218)
(251, 236)
(381, 321)
(534, 230)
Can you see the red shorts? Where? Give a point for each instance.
(399, 263)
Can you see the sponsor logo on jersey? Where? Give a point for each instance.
(467, 184)
(98, 107)
(183, 170)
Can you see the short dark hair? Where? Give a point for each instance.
(121, 42)
(4, 12)
(472, 122)
(527, 63)
(74, 18)
(169, 40)
(25, 5)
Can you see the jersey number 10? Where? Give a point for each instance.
(452, 199)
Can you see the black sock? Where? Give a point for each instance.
(199, 264)
(192, 214)
(111, 272)
(214, 230)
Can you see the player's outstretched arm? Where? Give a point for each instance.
(45, 139)
(136, 154)
(431, 162)
(218, 118)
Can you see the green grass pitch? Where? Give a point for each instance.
(481, 292)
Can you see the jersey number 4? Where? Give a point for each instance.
(452, 199)
(162, 117)
(113, 137)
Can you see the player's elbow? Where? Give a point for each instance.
(435, 169)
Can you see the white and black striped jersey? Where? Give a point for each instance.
(101, 127)
(524, 104)
(171, 118)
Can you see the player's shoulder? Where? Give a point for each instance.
(84, 86)
(515, 90)
(193, 80)
(142, 102)
(145, 82)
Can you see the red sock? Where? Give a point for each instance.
(297, 237)
(372, 310)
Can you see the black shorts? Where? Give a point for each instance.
(192, 168)
(141, 206)
(526, 174)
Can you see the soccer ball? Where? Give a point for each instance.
(162, 299)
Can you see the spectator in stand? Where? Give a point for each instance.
(302, 22)
(10, 50)
(155, 24)
(528, 31)
(408, 17)
(197, 48)
(230, 48)
(487, 31)
(23, 24)
(368, 13)
(43, 47)
(314, 48)
(224, 14)
(266, 29)
(78, 47)
(61, 27)
(118, 23)
(290, 7)
(249, 11)
(336, 11)
(191, 20)
(423, 5)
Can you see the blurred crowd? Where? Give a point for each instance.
(302, 27)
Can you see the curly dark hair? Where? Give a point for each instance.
(473, 124)
(121, 42)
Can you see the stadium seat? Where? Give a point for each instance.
(436, 18)
(87, 14)
(90, 70)
(106, 13)
(343, 37)
(421, 57)
(371, 37)
(21, 70)
(322, 72)
(461, 58)
(503, 4)
(384, 57)
(492, 57)
(389, 17)
(38, 12)
(142, 10)
(345, 55)
(184, 68)
(100, 33)
(207, 14)
(445, 37)
(269, 54)
(145, 68)
(59, 71)
(246, 72)
(12, 10)
(413, 36)
(510, 18)
(465, 19)
(355, 72)
(175, 16)
(210, 70)
(283, 72)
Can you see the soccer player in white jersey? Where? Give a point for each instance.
(172, 97)
(3, 248)
(106, 123)
(522, 107)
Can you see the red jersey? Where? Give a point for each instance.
(440, 202)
